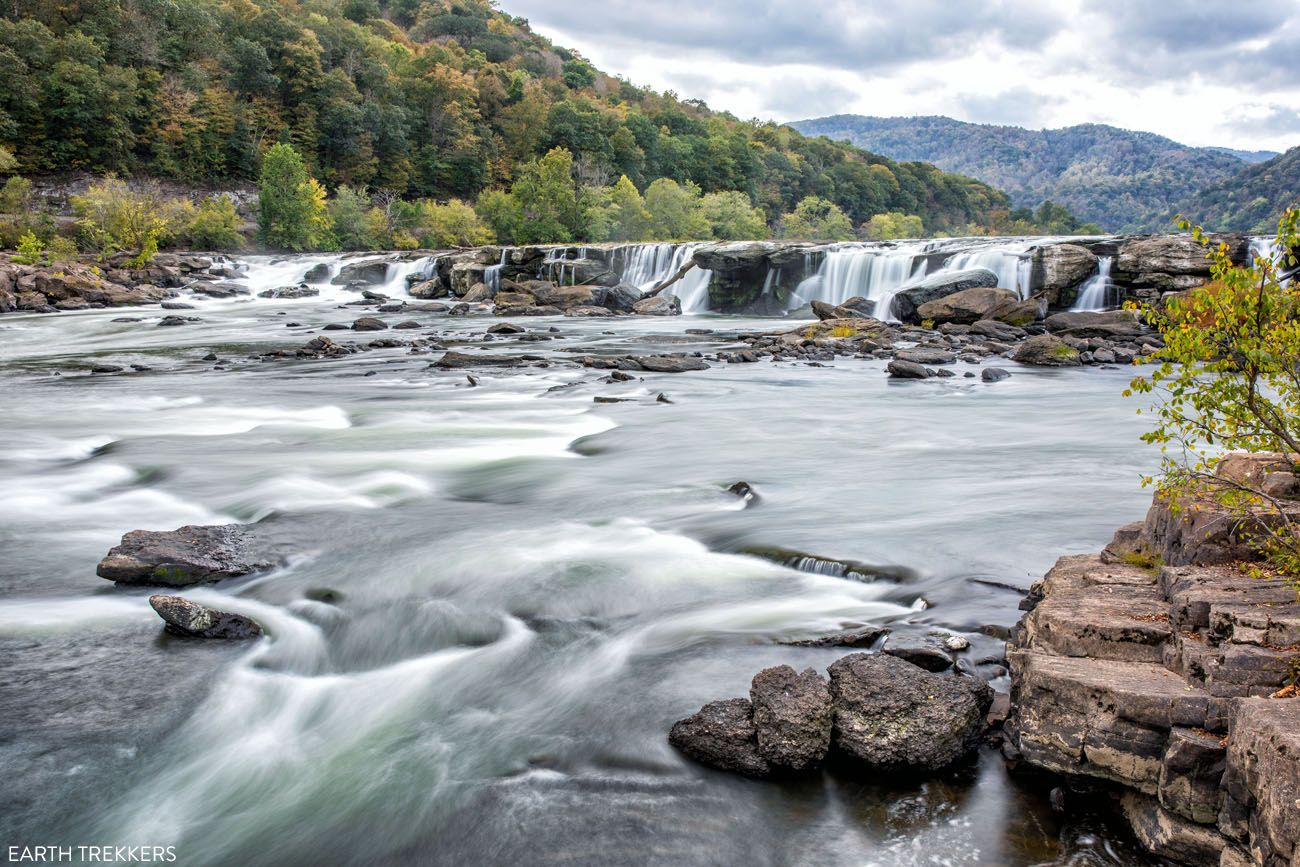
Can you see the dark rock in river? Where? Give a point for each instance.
(900, 369)
(456, 360)
(179, 558)
(864, 637)
(890, 714)
(994, 374)
(925, 355)
(318, 273)
(921, 652)
(620, 298)
(792, 717)
(302, 290)
(372, 273)
(191, 620)
(1059, 269)
(721, 735)
(669, 363)
(937, 286)
(1084, 324)
(369, 323)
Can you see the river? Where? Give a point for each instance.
(527, 587)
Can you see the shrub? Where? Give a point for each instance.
(30, 250)
(216, 225)
(112, 217)
(60, 249)
(293, 212)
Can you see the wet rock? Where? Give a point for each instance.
(456, 360)
(745, 491)
(172, 321)
(994, 374)
(369, 323)
(317, 274)
(373, 273)
(221, 290)
(1059, 269)
(191, 620)
(937, 286)
(863, 638)
(722, 735)
(997, 330)
(969, 305)
(428, 289)
(176, 305)
(901, 369)
(792, 717)
(179, 558)
(588, 310)
(1046, 350)
(923, 653)
(302, 290)
(1085, 324)
(505, 328)
(662, 304)
(621, 298)
(106, 368)
(669, 363)
(924, 355)
(891, 714)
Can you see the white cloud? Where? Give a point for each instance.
(1223, 75)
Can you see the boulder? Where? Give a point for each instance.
(465, 276)
(224, 289)
(191, 620)
(940, 285)
(925, 355)
(369, 323)
(900, 369)
(997, 330)
(732, 256)
(371, 273)
(970, 305)
(1059, 269)
(589, 272)
(1175, 254)
(792, 717)
(457, 360)
(892, 715)
(302, 290)
(1085, 324)
(562, 297)
(921, 652)
(994, 374)
(318, 274)
(1046, 350)
(428, 289)
(658, 305)
(478, 294)
(620, 298)
(179, 558)
(721, 735)
(858, 307)
(669, 363)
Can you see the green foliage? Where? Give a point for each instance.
(503, 214)
(1253, 199)
(8, 162)
(30, 250)
(732, 217)
(454, 224)
(626, 210)
(1227, 380)
(60, 249)
(348, 212)
(816, 219)
(216, 225)
(112, 216)
(548, 199)
(893, 225)
(436, 100)
(675, 211)
(293, 211)
(15, 196)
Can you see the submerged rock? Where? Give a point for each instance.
(179, 558)
(191, 620)
(890, 714)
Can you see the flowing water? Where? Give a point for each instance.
(1099, 292)
(528, 587)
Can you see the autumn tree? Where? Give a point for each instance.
(293, 212)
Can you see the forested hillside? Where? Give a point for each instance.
(1120, 179)
(431, 100)
(1253, 199)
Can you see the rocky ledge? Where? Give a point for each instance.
(1160, 668)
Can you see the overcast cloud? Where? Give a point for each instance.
(1198, 71)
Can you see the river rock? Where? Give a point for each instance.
(457, 360)
(940, 285)
(792, 717)
(191, 620)
(662, 304)
(317, 274)
(220, 290)
(669, 363)
(479, 293)
(921, 652)
(302, 290)
(902, 369)
(893, 715)
(721, 735)
(620, 298)
(179, 558)
(369, 323)
(994, 374)
(372, 273)
(925, 355)
(970, 305)
(428, 289)
(1046, 350)
(562, 297)
(1059, 269)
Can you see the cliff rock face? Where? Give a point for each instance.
(1158, 679)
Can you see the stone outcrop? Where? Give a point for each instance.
(189, 555)
(941, 285)
(970, 306)
(1151, 266)
(1158, 679)
(1059, 269)
(188, 619)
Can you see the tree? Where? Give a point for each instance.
(675, 211)
(216, 225)
(548, 199)
(731, 217)
(8, 163)
(348, 212)
(503, 214)
(816, 219)
(628, 219)
(112, 216)
(451, 225)
(892, 225)
(1227, 380)
(293, 211)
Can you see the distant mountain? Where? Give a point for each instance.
(1247, 156)
(1251, 200)
(1121, 180)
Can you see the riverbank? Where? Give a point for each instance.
(1161, 668)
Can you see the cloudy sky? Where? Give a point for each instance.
(1204, 72)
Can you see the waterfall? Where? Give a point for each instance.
(645, 266)
(1099, 292)
(492, 274)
